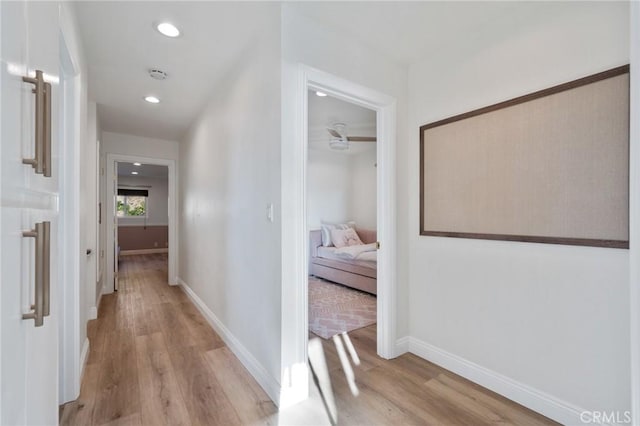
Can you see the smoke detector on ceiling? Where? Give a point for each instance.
(157, 74)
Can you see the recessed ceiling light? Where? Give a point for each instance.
(137, 164)
(320, 93)
(134, 173)
(168, 29)
(152, 100)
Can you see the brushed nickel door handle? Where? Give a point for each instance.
(47, 131)
(42, 158)
(46, 271)
(38, 307)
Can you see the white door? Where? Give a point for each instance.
(116, 247)
(28, 353)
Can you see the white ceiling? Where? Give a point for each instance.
(326, 111)
(144, 170)
(409, 31)
(121, 44)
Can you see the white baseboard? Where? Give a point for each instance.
(264, 379)
(143, 251)
(402, 345)
(101, 292)
(138, 225)
(84, 354)
(93, 313)
(531, 398)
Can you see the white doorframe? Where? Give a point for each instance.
(634, 210)
(70, 368)
(109, 211)
(295, 243)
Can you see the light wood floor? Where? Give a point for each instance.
(154, 360)
(409, 391)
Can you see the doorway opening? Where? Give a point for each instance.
(295, 236)
(141, 213)
(341, 217)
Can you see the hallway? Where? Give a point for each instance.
(155, 360)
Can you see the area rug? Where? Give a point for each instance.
(334, 309)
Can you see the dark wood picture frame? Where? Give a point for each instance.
(613, 243)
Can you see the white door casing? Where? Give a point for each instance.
(70, 249)
(295, 236)
(113, 220)
(110, 208)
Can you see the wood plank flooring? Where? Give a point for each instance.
(409, 391)
(154, 360)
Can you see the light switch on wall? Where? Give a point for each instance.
(270, 212)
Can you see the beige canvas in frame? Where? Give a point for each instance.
(549, 167)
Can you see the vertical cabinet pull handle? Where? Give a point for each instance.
(41, 308)
(42, 90)
(47, 130)
(46, 276)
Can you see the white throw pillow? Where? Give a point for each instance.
(327, 227)
(345, 237)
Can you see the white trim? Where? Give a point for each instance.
(402, 345)
(99, 300)
(84, 355)
(385, 107)
(264, 379)
(634, 210)
(122, 224)
(69, 326)
(528, 396)
(295, 236)
(108, 284)
(92, 313)
(143, 251)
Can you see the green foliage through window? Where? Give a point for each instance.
(135, 206)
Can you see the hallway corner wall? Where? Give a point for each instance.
(229, 173)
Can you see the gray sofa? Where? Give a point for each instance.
(357, 274)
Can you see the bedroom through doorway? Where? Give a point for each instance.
(341, 219)
(142, 222)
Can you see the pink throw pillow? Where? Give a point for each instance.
(345, 237)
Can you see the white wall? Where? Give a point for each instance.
(118, 143)
(229, 173)
(328, 187)
(157, 201)
(341, 186)
(363, 188)
(89, 206)
(634, 210)
(553, 318)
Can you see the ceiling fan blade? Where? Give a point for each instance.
(361, 139)
(334, 133)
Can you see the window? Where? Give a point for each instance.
(132, 202)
